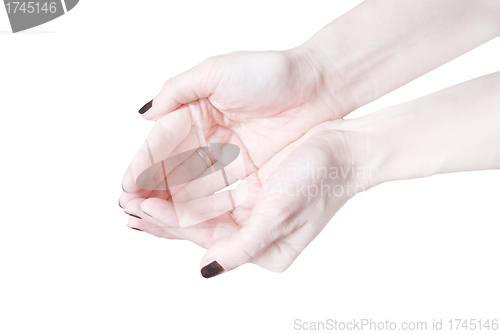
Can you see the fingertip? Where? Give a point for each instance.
(128, 182)
(135, 223)
(161, 210)
(180, 90)
(221, 257)
(160, 106)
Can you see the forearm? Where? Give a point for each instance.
(453, 130)
(381, 45)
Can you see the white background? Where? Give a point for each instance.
(69, 93)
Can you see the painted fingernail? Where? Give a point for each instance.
(135, 228)
(212, 269)
(133, 215)
(119, 204)
(146, 107)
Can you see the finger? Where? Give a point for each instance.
(205, 184)
(170, 213)
(202, 234)
(143, 226)
(190, 179)
(195, 211)
(166, 135)
(227, 169)
(164, 214)
(190, 169)
(141, 221)
(266, 225)
(194, 84)
(128, 183)
(198, 177)
(191, 174)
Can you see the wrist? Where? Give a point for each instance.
(351, 157)
(396, 143)
(376, 140)
(316, 70)
(358, 63)
(377, 143)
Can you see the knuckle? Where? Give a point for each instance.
(281, 265)
(212, 59)
(166, 85)
(279, 268)
(283, 257)
(281, 220)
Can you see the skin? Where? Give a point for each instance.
(441, 133)
(268, 102)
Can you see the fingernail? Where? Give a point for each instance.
(135, 228)
(212, 269)
(119, 204)
(123, 189)
(146, 107)
(133, 215)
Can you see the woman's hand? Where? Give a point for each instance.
(261, 113)
(259, 101)
(280, 209)
(245, 86)
(262, 100)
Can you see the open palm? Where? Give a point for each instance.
(260, 101)
(274, 219)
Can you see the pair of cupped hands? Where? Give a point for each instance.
(286, 119)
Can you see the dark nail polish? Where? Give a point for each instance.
(135, 228)
(133, 215)
(212, 269)
(146, 107)
(119, 204)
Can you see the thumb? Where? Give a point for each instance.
(261, 232)
(234, 251)
(194, 84)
